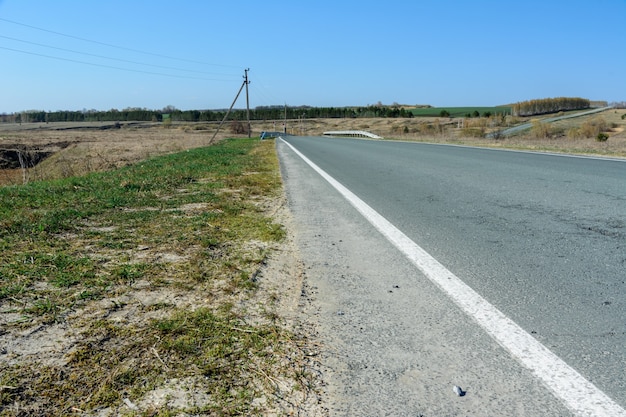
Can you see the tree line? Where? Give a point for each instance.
(258, 113)
(525, 108)
(549, 105)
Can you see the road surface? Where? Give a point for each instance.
(525, 126)
(541, 238)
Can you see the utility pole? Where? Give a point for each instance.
(247, 100)
(245, 83)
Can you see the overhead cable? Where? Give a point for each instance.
(111, 58)
(109, 66)
(116, 46)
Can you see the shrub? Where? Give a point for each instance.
(425, 128)
(444, 113)
(541, 130)
(473, 132)
(497, 120)
(602, 137)
(237, 127)
(593, 127)
(480, 123)
(435, 127)
(573, 133)
(512, 120)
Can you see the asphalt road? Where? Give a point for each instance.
(542, 238)
(525, 126)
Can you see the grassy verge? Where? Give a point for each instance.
(133, 287)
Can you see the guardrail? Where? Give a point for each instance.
(272, 134)
(353, 134)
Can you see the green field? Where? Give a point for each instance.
(459, 111)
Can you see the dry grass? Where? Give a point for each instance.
(88, 149)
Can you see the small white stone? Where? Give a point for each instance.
(130, 404)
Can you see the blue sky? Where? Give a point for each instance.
(191, 54)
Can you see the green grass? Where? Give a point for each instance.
(70, 243)
(459, 111)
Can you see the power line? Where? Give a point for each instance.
(109, 58)
(264, 93)
(261, 98)
(109, 66)
(116, 46)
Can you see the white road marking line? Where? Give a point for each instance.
(579, 395)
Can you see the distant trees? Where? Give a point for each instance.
(176, 115)
(65, 116)
(599, 103)
(10, 118)
(278, 112)
(549, 105)
(527, 108)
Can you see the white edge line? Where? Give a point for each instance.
(489, 148)
(546, 153)
(577, 393)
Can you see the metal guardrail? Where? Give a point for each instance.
(265, 135)
(353, 133)
(350, 133)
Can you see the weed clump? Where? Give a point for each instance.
(589, 129)
(602, 137)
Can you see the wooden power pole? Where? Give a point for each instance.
(246, 81)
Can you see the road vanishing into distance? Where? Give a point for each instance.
(429, 266)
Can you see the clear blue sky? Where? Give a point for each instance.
(71, 54)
